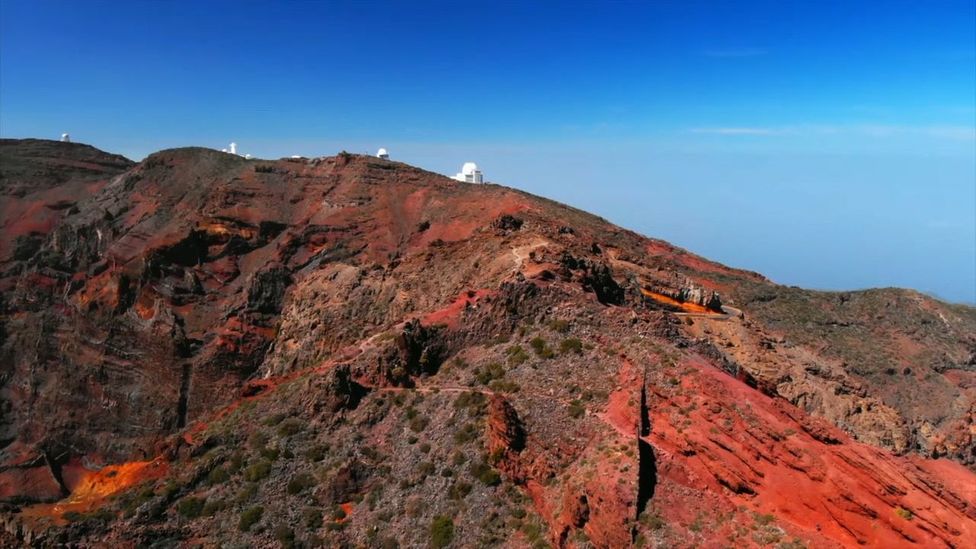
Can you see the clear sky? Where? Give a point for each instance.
(827, 145)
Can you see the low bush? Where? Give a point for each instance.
(317, 452)
(517, 355)
(250, 517)
(291, 426)
(466, 433)
(561, 326)
(190, 507)
(541, 348)
(418, 424)
(212, 507)
(486, 474)
(312, 518)
(576, 409)
(285, 536)
(571, 345)
(441, 532)
(459, 490)
(257, 471)
(217, 475)
(299, 483)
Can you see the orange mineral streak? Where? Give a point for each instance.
(451, 315)
(96, 486)
(684, 306)
(347, 508)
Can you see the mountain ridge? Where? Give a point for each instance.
(196, 286)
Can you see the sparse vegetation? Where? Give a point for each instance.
(489, 373)
(466, 433)
(541, 348)
(316, 453)
(290, 427)
(190, 507)
(576, 409)
(300, 482)
(571, 345)
(250, 517)
(485, 473)
(441, 532)
(312, 517)
(561, 326)
(257, 471)
(517, 355)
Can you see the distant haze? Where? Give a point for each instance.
(825, 145)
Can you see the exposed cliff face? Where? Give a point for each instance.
(260, 344)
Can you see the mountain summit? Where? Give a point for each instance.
(204, 350)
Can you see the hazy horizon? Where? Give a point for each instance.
(826, 146)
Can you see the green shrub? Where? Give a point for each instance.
(426, 468)
(418, 424)
(246, 494)
(285, 536)
(484, 472)
(250, 517)
(218, 475)
(576, 409)
(291, 426)
(465, 434)
(236, 462)
(459, 490)
(213, 507)
(571, 345)
(312, 518)
(441, 532)
(299, 483)
(504, 386)
(317, 452)
(274, 419)
(472, 400)
(561, 326)
(72, 516)
(257, 440)
(517, 355)
(490, 372)
(338, 513)
(257, 471)
(541, 348)
(904, 513)
(190, 507)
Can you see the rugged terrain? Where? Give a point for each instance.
(203, 350)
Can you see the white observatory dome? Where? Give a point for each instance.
(469, 168)
(382, 153)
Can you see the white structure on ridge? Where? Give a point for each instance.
(233, 150)
(470, 174)
(65, 138)
(382, 154)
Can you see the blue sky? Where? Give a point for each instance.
(825, 144)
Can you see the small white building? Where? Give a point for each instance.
(65, 138)
(470, 174)
(233, 150)
(382, 154)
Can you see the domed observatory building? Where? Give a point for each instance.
(382, 154)
(470, 174)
